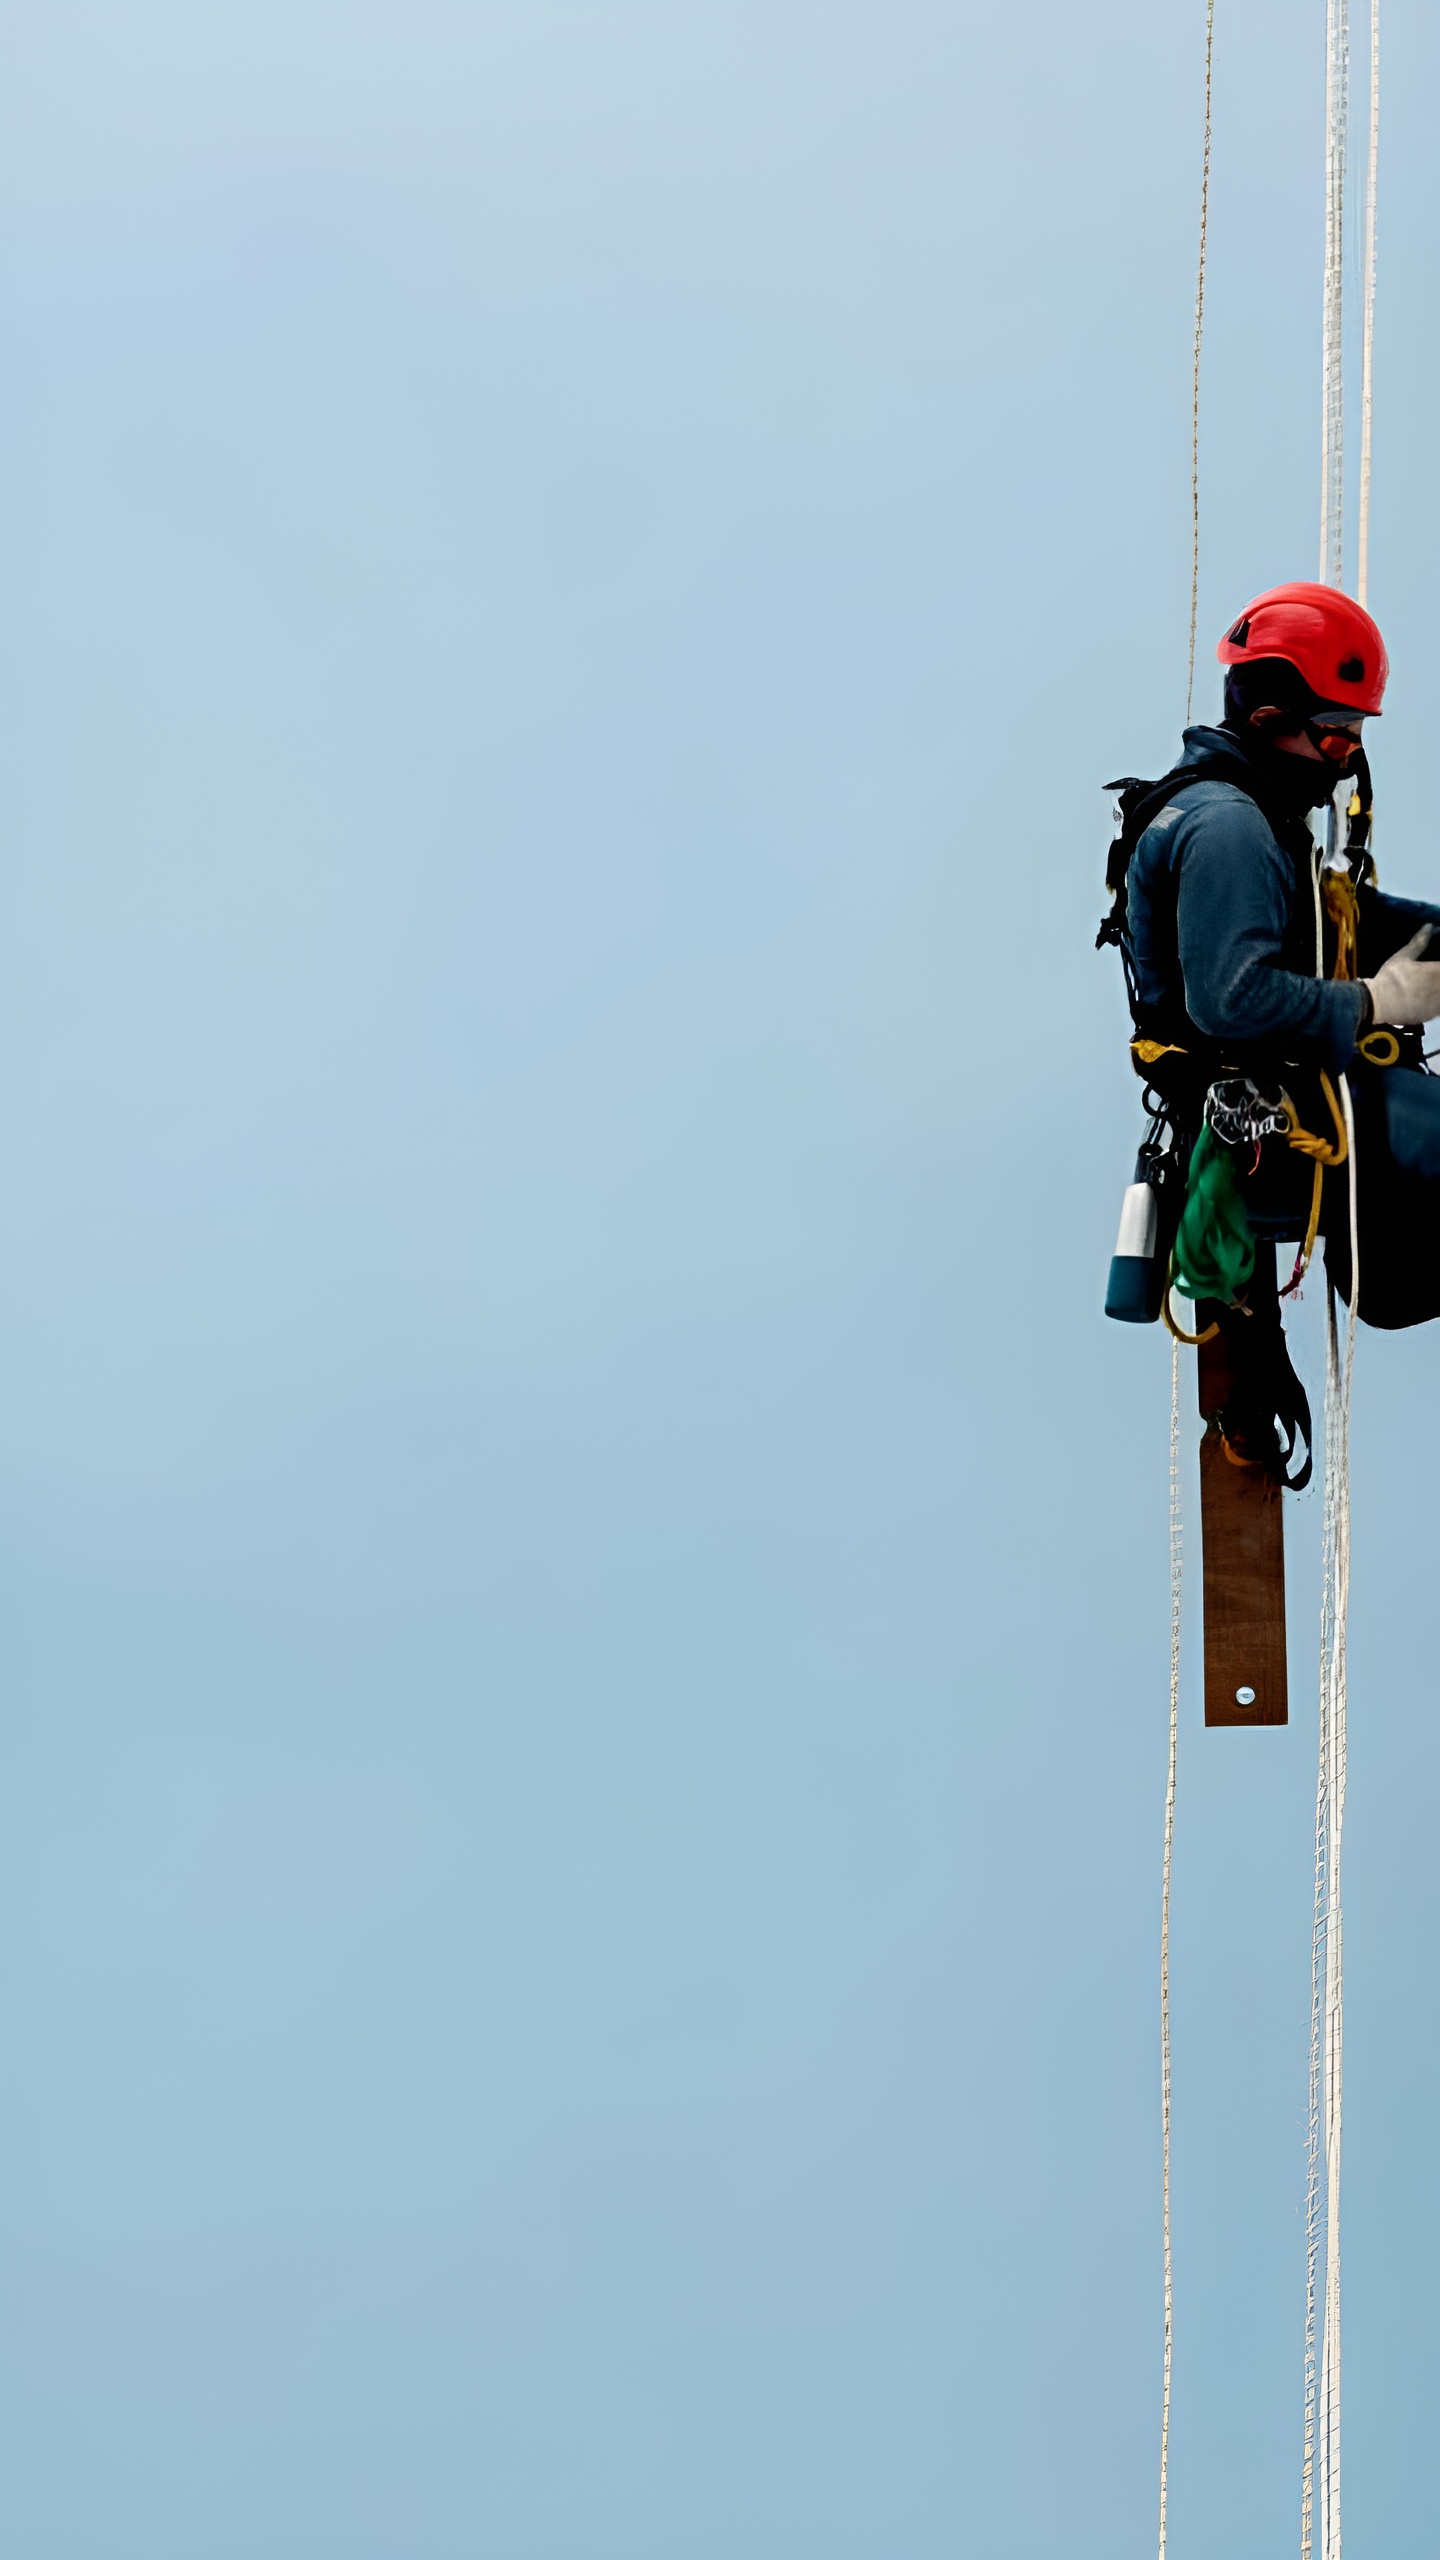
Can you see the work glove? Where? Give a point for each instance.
(1407, 988)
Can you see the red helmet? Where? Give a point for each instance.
(1324, 634)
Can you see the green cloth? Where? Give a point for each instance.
(1214, 1249)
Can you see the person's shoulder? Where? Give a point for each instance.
(1199, 805)
(1214, 812)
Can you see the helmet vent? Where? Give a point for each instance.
(1241, 632)
(1351, 671)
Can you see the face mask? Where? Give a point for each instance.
(1297, 783)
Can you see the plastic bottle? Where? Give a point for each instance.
(1137, 1281)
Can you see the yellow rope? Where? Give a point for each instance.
(1305, 1140)
(1321, 1153)
(1343, 908)
(1190, 1339)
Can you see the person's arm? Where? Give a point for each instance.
(1233, 909)
(1387, 924)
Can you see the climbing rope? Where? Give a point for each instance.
(1176, 1580)
(1332, 361)
(1332, 402)
(1367, 334)
(1176, 1338)
(1320, 2478)
(1195, 361)
(1321, 2472)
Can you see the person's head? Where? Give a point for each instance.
(1305, 667)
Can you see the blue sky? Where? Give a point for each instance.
(584, 1608)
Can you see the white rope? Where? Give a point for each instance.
(1320, 2480)
(1319, 911)
(1176, 1557)
(1317, 1966)
(1332, 403)
(1367, 343)
(1195, 360)
(1176, 1516)
(1321, 2475)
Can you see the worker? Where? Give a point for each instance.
(1278, 997)
(1221, 887)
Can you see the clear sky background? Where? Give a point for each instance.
(582, 1583)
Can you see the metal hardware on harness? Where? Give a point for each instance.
(1241, 1115)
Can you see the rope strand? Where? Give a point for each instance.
(1320, 2475)
(1332, 406)
(1195, 361)
(1176, 1515)
(1367, 338)
(1320, 2481)
(1176, 1586)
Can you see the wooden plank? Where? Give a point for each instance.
(1242, 1532)
(1242, 1538)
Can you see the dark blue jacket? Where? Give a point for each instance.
(1222, 919)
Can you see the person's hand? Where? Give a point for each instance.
(1407, 988)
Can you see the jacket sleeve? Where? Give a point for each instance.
(1233, 902)
(1386, 925)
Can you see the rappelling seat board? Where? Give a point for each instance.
(1242, 1532)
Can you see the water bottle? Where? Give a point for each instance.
(1137, 1281)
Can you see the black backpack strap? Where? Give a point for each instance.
(1140, 805)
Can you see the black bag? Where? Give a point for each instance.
(1397, 1198)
